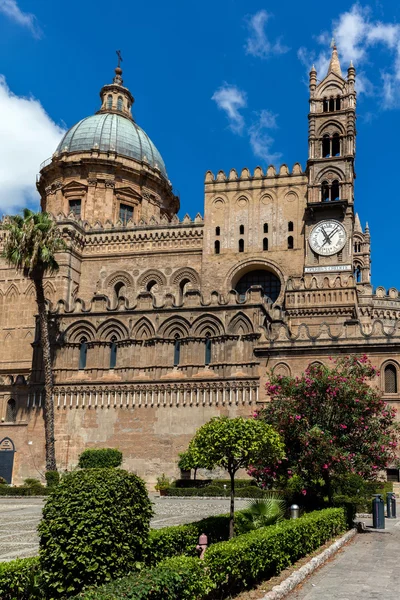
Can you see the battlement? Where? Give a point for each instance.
(245, 175)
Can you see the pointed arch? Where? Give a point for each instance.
(143, 329)
(12, 292)
(207, 325)
(174, 326)
(112, 327)
(76, 331)
(240, 325)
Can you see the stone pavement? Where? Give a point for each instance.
(19, 518)
(366, 569)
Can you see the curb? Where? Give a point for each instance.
(281, 590)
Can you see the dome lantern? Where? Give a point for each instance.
(115, 98)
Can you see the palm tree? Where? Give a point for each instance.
(30, 246)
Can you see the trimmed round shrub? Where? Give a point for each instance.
(100, 458)
(52, 478)
(95, 528)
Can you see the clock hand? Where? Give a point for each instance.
(327, 238)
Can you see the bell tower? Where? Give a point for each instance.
(329, 216)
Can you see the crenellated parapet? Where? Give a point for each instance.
(259, 174)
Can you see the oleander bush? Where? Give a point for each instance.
(178, 578)
(20, 579)
(95, 528)
(100, 458)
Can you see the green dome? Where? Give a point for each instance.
(112, 132)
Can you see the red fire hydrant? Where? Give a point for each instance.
(202, 545)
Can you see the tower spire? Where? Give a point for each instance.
(334, 65)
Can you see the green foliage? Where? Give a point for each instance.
(176, 578)
(23, 490)
(163, 482)
(333, 422)
(352, 505)
(100, 458)
(215, 491)
(260, 554)
(262, 513)
(52, 478)
(95, 528)
(3, 481)
(19, 579)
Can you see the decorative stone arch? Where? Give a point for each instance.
(389, 378)
(151, 275)
(332, 126)
(331, 88)
(30, 290)
(174, 326)
(118, 277)
(49, 290)
(240, 324)
(316, 363)
(330, 173)
(110, 328)
(143, 329)
(12, 293)
(252, 264)
(207, 325)
(185, 273)
(282, 369)
(76, 331)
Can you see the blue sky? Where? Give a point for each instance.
(217, 84)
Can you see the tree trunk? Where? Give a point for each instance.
(232, 508)
(48, 409)
(195, 473)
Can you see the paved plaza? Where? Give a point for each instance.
(366, 569)
(19, 518)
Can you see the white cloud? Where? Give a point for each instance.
(231, 99)
(29, 136)
(258, 44)
(11, 9)
(260, 138)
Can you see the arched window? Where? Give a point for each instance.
(335, 190)
(265, 244)
(357, 247)
(241, 229)
(331, 105)
(117, 288)
(325, 191)
(217, 231)
(119, 103)
(177, 351)
(338, 103)
(182, 286)
(109, 101)
(358, 274)
(82, 353)
(152, 286)
(217, 246)
(290, 242)
(265, 227)
(269, 282)
(326, 107)
(113, 352)
(336, 145)
(390, 379)
(290, 226)
(241, 245)
(11, 412)
(326, 146)
(207, 354)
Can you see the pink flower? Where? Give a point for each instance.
(304, 492)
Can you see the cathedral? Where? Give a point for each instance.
(160, 323)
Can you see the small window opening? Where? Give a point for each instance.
(391, 379)
(208, 346)
(326, 146)
(265, 227)
(125, 213)
(182, 287)
(290, 242)
(357, 247)
(117, 289)
(217, 246)
(119, 103)
(358, 274)
(152, 286)
(265, 244)
(290, 226)
(177, 351)
(325, 191)
(338, 103)
(331, 105)
(113, 353)
(336, 145)
(335, 192)
(340, 256)
(241, 229)
(109, 101)
(75, 207)
(241, 245)
(11, 412)
(326, 107)
(217, 230)
(82, 354)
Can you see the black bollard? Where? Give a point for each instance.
(389, 505)
(378, 512)
(394, 505)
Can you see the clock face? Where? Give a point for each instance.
(328, 237)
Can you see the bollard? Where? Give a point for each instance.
(394, 515)
(378, 512)
(389, 505)
(294, 511)
(202, 545)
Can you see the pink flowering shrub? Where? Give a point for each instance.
(333, 422)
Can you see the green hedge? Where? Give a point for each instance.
(248, 558)
(24, 490)
(176, 578)
(100, 458)
(19, 579)
(242, 492)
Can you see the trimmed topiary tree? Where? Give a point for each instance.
(100, 458)
(94, 529)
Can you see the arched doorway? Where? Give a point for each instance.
(7, 451)
(269, 282)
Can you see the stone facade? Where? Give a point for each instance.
(160, 323)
